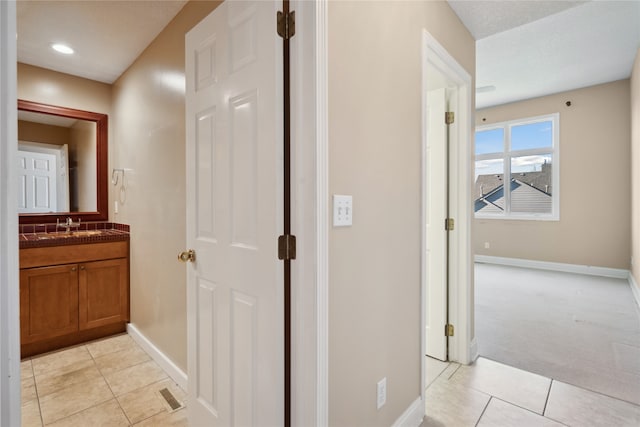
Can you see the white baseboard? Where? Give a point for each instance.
(177, 374)
(473, 350)
(413, 416)
(634, 288)
(616, 273)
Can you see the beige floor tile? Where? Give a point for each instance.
(28, 390)
(500, 413)
(143, 403)
(174, 419)
(449, 404)
(434, 368)
(110, 345)
(60, 359)
(451, 369)
(578, 407)
(53, 381)
(26, 370)
(135, 377)
(512, 385)
(108, 414)
(74, 399)
(31, 414)
(121, 359)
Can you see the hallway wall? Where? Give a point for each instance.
(149, 143)
(595, 182)
(635, 172)
(375, 130)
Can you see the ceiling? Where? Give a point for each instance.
(524, 48)
(527, 49)
(107, 35)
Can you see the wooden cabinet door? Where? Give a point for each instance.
(104, 292)
(48, 302)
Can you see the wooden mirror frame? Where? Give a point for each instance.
(102, 153)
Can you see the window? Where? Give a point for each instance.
(524, 154)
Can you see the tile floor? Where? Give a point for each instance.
(114, 382)
(106, 382)
(488, 393)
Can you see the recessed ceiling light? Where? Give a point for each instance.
(62, 48)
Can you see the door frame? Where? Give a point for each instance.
(310, 214)
(9, 290)
(460, 262)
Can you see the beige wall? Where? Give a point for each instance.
(635, 170)
(594, 183)
(374, 154)
(44, 134)
(149, 130)
(83, 142)
(50, 87)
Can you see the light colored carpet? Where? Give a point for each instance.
(583, 330)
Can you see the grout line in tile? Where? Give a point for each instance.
(123, 411)
(454, 371)
(546, 401)
(35, 385)
(483, 411)
(526, 409)
(71, 415)
(599, 393)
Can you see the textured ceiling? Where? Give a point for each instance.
(557, 47)
(484, 18)
(107, 35)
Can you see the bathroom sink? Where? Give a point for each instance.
(65, 235)
(85, 233)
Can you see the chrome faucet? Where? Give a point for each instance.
(68, 224)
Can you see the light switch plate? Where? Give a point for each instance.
(342, 210)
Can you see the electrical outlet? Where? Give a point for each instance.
(381, 392)
(487, 245)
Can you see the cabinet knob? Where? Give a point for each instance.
(187, 256)
(82, 267)
(73, 268)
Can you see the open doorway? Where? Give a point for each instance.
(446, 260)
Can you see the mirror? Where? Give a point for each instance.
(63, 155)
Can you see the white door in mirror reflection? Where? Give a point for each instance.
(37, 182)
(43, 178)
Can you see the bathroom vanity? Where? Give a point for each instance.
(74, 287)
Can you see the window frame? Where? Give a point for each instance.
(506, 155)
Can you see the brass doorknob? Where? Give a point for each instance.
(189, 255)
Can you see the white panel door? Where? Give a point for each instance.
(436, 213)
(37, 174)
(234, 216)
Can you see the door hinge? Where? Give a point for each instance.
(448, 330)
(287, 247)
(449, 117)
(449, 224)
(287, 25)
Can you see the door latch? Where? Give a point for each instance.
(187, 256)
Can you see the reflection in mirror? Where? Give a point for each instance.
(56, 161)
(62, 162)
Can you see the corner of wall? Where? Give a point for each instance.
(635, 289)
(635, 170)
